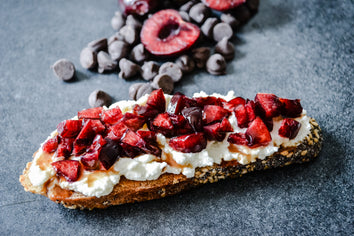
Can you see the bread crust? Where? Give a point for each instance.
(129, 191)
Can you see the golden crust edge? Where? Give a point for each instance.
(129, 191)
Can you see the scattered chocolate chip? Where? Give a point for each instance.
(144, 89)
(185, 63)
(208, 26)
(172, 70)
(222, 30)
(200, 56)
(187, 6)
(185, 16)
(242, 13)
(117, 21)
(88, 58)
(98, 45)
(139, 53)
(216, 64)
(149, 70)
(129, 34)
(229, 19)
(252, 4)
(105, 62)
(118, 50)
(199, 13)
(99, 98)
(133, 89)
(115, 37)
(128, 69)
(64, 69)
(163, 81)
(134, 22)
(226, 49)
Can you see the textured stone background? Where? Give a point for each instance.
(298, 49)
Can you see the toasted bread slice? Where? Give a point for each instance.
(129, 191)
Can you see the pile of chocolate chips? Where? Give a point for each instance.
(124, 53)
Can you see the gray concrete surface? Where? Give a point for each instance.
(298, 49)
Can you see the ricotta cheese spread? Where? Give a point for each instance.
(145, 167)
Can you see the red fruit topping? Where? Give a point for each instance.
(194, 117)
(268, 104)
(178, 120)
(291, 108)
(91, 113)
(232, 104)
(237, 138)
(65, 147)
(213, 113)
(90, 159)
(202, 101)
(69, 128)
(242, 116)
(257, 133)
(289, 128)
(139, 7)
(69, 169)
(217, 131)
(109, 153)
(176, 104)
(189, 143)
(111, 116)
(269, 124)
(147, 111)
(134, 140)
(132, 121)
(251, 110)
(51, 144)
(165, 33)
(157, 100)
(163, 124)
(148, 136)
(223, 5)
(116, 131)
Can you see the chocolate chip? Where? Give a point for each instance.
(144, 89)
(98, 45)
(116, 37)
(185, 63)
(128, 69)
(172, 70)
(222, 30)
(208, 26)
(226, 49)
(129, 34)
(117, 21)
(105, 62)
(88, 58)
(184, 16)
(149, 70)
(229, 19)
(139, 53)
(64, 69)
(187, 6)
(99, 98)
(216, 64)
(199, 13)
(133, 89)
(163, 81)
(134, 22)
(200, 56)
(242, 13)
(118, 50)
(252, 4)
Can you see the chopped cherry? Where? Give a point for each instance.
(163, 124)
(176, 103)
(233, 103)
(291, 108)
(91, 113)
(289, 128)
(148, 136)
(194, 117)
(237, 138)
(157, 100)
(242, 116)
(202, 101)
(134, 140)
(109, 153)
(65, 147)
(268, 104)
(69, 169)
(217, 131)
(69, 128)
(189, 143)
(251, 110)
(146, 111)
(90, 159)
(133, 121)
(257, 133)
(213, 113)
(117, 131)
(111, 116)
(51, 144)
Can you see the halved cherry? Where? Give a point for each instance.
(223, 5)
